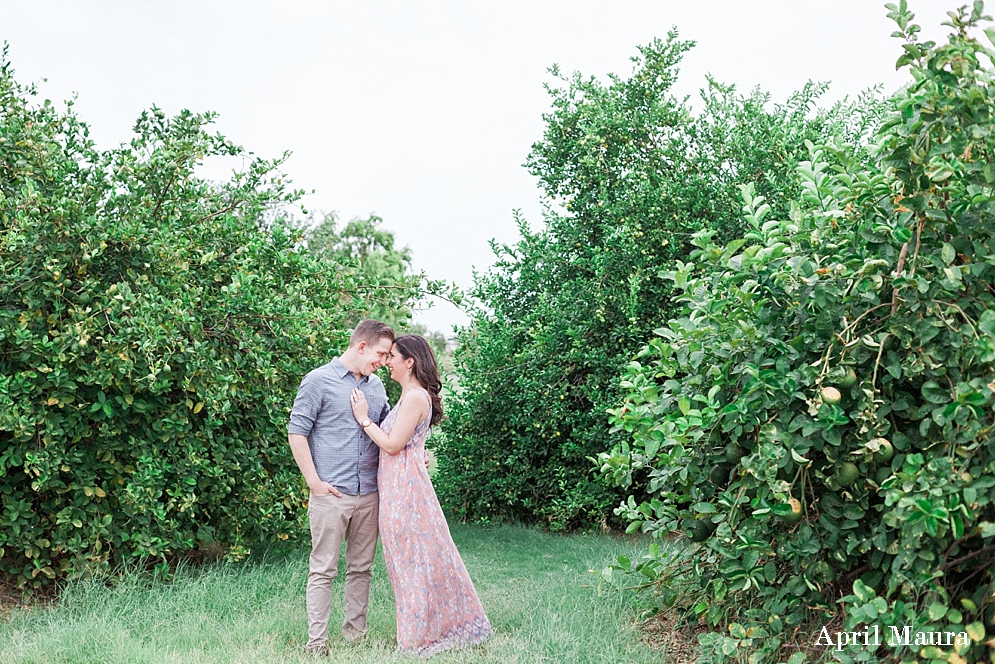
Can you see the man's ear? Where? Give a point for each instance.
(360, 347)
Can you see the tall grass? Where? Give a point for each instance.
(535, 586)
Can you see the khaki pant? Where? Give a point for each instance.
(356, 519)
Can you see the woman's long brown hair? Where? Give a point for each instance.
(425, 369)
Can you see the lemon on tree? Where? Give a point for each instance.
(790, 511)
(719, 473)
(882, 450)
(849, 379)
(734, 453)
(847, 473)
(702, 529)
(830, 395)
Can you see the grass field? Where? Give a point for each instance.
(535, 587)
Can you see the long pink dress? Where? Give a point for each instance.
(437, 606)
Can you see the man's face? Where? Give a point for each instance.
(374, 356)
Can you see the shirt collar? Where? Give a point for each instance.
(342, 372)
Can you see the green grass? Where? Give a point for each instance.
(534, 586)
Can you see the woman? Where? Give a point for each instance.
(437, 606)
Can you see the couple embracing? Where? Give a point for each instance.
(365, 466)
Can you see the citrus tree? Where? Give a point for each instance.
(818, 419)
(630, 173)
(367, 249)
(153, 329)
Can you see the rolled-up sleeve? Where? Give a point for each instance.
(307, 405)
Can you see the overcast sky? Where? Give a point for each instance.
(422, 111)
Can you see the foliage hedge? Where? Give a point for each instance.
(367, 249)
(153, 329)
(819, 418)
(629, 172)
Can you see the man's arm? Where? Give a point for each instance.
(307, 405)
(302, 455)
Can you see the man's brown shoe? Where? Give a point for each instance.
(353, 636)
(317, 650)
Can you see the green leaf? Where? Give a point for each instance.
(956, 526)
(941, 174)
(863, 592)
(652, 447)
(684, 404)
(986, 322)
(936, 611)
(853, 512)
(976, 631)
(933, 393)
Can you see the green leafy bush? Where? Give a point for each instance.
(630, 173)
(153, 329)
(820, 415)
(365, 248)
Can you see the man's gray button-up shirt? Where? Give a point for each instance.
(343, 454)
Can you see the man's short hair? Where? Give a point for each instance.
(370, 331)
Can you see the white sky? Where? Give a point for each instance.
(422, 112)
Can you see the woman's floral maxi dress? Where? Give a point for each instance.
(437, 606)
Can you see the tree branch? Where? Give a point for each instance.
(958, 561)
(898, 273)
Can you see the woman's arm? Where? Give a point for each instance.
(410, 413)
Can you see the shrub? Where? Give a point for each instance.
(630, 174)
(820, 415)
(153, 329)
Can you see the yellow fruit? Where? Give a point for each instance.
(796, 511)
(830, 395)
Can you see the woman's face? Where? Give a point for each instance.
(397, 364)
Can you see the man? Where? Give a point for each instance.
(339, 462)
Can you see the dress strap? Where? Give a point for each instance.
(427, 396)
